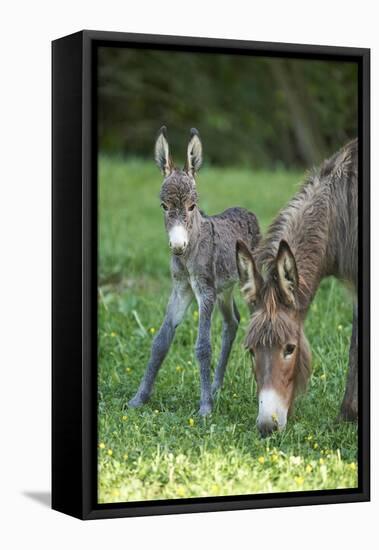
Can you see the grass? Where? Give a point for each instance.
(164, 450)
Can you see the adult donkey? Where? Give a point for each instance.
(314, 236)
(203, 265)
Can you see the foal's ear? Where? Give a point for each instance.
(194, 153)
(162, 153)
(288, 278)
(250, 279)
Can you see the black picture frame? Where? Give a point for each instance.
(74, 273)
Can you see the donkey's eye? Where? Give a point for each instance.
(289, 349)
(190, 208)
(164, 206)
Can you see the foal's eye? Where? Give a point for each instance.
(190, 208)
(289, 349)
(164, 206)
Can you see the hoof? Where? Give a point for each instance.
(205, 410)
(136, 402)
(348, 414)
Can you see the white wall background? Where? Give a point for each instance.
(26, 31)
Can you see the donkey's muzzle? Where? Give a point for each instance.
(272, 414)
(267, 428)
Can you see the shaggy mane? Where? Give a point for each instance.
(270, 324)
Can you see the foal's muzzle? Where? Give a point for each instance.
(178, 250)
(178, 239)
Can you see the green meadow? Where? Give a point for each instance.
(165, 450)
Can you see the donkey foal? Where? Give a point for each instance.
(203, 265)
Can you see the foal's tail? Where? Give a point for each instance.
(254, 231)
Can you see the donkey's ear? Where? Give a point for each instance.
(162, 152)
(194, 153)
(250, 279)
(288, 278)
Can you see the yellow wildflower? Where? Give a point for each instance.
(110, 452)
(152, 330)
(102, 445)
(323, 376)
(125, 417)
(156, 411)
(191, 422)
(299, 480)
(261, 459)
(180, 491)
(321, 461)
(126, 456)
(340, 327)
(315, 446)
(308, 468)
(113, 334)
(128, 370)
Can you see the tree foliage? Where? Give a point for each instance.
(258, 111)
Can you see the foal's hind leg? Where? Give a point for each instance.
(349, 407)
(180, 299)
(231, 319)
(206, 299)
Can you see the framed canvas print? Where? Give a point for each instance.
(210, 275)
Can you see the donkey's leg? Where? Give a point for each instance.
(206, 299)
(349, 407)
(180, 299)
(230, 316)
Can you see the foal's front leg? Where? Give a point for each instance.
(179, 301)
(206, 299)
